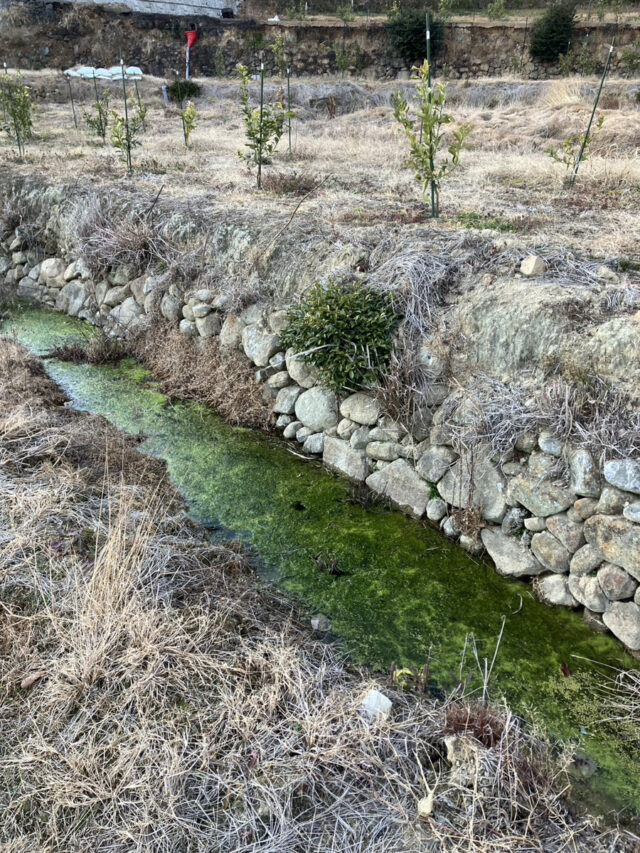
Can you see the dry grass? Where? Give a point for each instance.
(157, 699)
(506, 175)
(202, 371)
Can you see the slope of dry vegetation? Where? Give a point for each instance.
(156, 698)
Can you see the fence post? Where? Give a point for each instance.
(593, 112)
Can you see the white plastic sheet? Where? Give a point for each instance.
(88, 72)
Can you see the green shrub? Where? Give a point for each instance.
(181, 90)
(552, 33)
(345, 330)
(17, 110)
(407, 30)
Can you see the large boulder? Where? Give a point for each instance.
(551, 553)
(116, 295)
(127, 313)
(622, 618)
(512, 558)
(340, 456)
(259, 344)
(541, 497)
(52, 272)
(361, 408)
(617, 538)
(317, 408)
(399, 482)
(623, 474)
(71, 298)
(171, 308)
(435, 463)
(473, 480)
(231, 332)
(302, 373)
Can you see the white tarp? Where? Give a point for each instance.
(88, 72)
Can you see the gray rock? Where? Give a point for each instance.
(511, 558)
(616, 583)
(585, 477)
(279, 380)
(551, 554)
(201, 309)
(127, 313)
(585, 507)
(435, 463)
(450, 527)
(285, 403)
(77, 269)
(120, 276)
(277, 361)
(387, 433)
(436, 509)
(400, 483)
(252, 315)
(291, 430)
(622, 618)
(632, 512)
(259, 344)
(554, 591)
(302, 373)
(207, 296)
(513, 521)
(34, 272)
(303, 434)
(573, 515)
(317, 408)
(360, 438)
(617, 538)
(283, 421)
(485, 489)
(587, 591)
(612, 501)
(231, 332)
(171, 308)
(541, 498)
(320, 623)
(71, 298)
(567, 532)
(533, 266)
(526, 442)
(340, 456)
(550, 443)
(360, 408)
(623, 474)
(346, 428)
(594, 621)
(535, 524)
(540, 464)
(471, 544)
(387, 451)
(585, 560)
(208, 326)
(52, 272)
(28, 289)
(116, 295)
(188, 329)
(278, 321)
(314, 443)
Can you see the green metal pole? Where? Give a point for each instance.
(261, 125)
(95, 88)
(3, 96)
(73, 106)
(126, 115)
(593, 112)
(289, 105)
(139, 99)
(434, 201)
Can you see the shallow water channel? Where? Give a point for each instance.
(396, 591)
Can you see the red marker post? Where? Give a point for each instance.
(192, 38)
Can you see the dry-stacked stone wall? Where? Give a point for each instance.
(577, 538)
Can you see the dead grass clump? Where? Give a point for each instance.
(204, 372)
(106, 235)
(290, 183)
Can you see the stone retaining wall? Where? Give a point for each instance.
(577, 538)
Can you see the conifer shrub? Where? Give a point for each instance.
(345, 330)
(553, 31)
(407, 31)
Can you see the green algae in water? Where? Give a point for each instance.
(397, 591)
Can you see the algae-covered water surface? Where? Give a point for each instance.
(395, 590)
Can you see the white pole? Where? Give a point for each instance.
(187, 74)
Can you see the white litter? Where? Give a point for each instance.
(376, 705)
